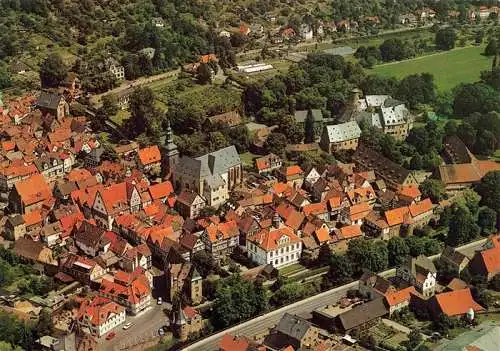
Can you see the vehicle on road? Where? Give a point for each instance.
(110, 336)
(127, 325)
(161, 332)
(159, 301)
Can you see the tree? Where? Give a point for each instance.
(145, 118)
(446, 38)
(443, 323)
(368, 255)
(237, 299)
(204, 263)
(492, 77)
(416, 162)
(110, 105)
(309, 128)
(393, 49)
(324, 256)
(5, 346)
(417, 89)
(489, 190)
(339, 273)
(204, 74)
(487, 221)
(53, 71)
(495, 283)
(4, 77)
(492, 48)
(378, 85)
(398, 250)
(475, 97)
(414, 339)
(276, 143)
(462, 227)
(451, 128)
(433, 189)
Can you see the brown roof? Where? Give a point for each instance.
(29, 249)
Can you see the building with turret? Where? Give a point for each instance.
(185, 321)
(170, 151)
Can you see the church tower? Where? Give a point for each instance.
(170, 151)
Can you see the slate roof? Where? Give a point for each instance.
(48, 100)
(214, 163)
(293, 326)
(343, 132)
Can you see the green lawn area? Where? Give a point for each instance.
(496, 155)
(461, 65)
(294, 268)
(120, 116)
(247, 158)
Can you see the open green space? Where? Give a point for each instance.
(461, 65)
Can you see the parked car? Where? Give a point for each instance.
(161, 332)
(160, 301)
(110, 336)
(127, 325)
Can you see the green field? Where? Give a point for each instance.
(462, 65)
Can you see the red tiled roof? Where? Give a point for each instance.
(232, 343)
(359, 211)
(8, 145)
(420, 207)
(33, 189)
(294, 220)
(161, 190)
(149, 155)
(396, 297)
(397, 216)
(410, 191)
(268, 240)
(458, 302)
(293, 170)
(322, 234)
(315, 209)
(227, 230)
(208, 58)
(98, 310)
(16, 170)
(491, 259)
(32, 218)
(350, 231)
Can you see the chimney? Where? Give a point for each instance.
(276, 220)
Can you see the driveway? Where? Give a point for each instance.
(145, 327)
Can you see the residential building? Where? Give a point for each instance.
(394, 176)
(15, 173)
(189, 204)
(135, 257)
(373, 286)
(91, 239)
(51, 234)
(131, 290)
(397, 300)
(485, 263)
(268, 163)
(183, 278)
(295, 332)
(53, 104)
(455, 258)
(236, 343)
(419, 272)
(277, 245)
(82, 269)
(15, 227)
(185, 322)
(338, 137)
(51, 166)
(456, 303)
(158, 22)
(34, 251)
(115, 68)
(114, 201)
(362, 316)
(99, 315)
(221, 239)
(212, 175)
(149, 159)
(379, 111)
(293, 176)
(355, 214)
(29, 194)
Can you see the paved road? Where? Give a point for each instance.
(263, 324)
(145, 326)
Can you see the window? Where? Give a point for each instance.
(276, 262)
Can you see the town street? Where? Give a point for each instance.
(266, 322)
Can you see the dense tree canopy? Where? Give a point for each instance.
(53, 71)
(445, 38)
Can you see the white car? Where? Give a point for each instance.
(126, 326)
(159, 301)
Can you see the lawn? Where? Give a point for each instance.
(247, 158)
(461, 65)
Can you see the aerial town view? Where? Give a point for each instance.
(250, 175)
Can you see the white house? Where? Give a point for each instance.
(306, 32)
(311, 178)
(100, 315)
(421, 273)
(278, 246)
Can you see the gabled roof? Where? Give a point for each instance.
(269, 239)
(293, 326)
(33, 189)
(222, 231)
(456, 303)
(161, 190)
(233, 343)
(397, 216)
(491, 259)
(396, 297)
(420, 207)
(350, 231)
(49, 100)
(149, 155)
(293, 170)
(410, 191)
(343, 132)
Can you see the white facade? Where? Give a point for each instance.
(285, 254)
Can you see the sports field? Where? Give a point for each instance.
(461, 65)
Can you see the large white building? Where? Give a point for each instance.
(419, 272)
(278, 246)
